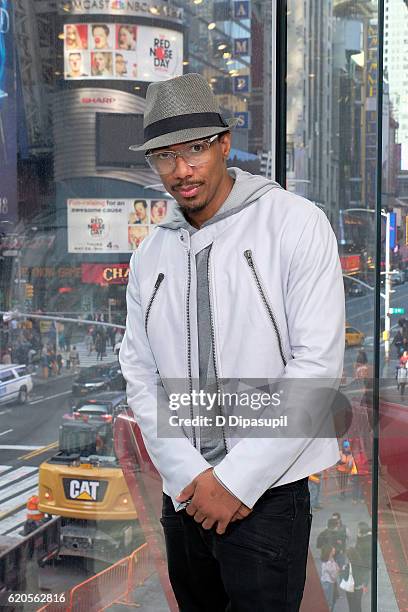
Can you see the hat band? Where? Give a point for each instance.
(183, 122)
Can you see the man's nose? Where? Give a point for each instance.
(182, 168)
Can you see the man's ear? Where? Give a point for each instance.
(225, 143)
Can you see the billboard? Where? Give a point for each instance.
(105, 274)
(113, 225)
(153, 9)
(119, 51)
(8, 119)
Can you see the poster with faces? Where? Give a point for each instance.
(115, 51)
(118, 226)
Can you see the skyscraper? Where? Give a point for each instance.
(396, 66)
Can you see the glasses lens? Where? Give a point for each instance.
(194, 154)
(197, 153)
(161, 163)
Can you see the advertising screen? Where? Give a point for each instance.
(118, 51)
(8, 119)
(128, 130)
(113, 226)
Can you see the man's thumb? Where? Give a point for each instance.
(186, 493)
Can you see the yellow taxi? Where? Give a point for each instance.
(354, 337)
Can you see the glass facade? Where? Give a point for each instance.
(75, 203)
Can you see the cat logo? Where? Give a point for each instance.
(84, 490)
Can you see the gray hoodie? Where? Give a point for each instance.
(247, 189)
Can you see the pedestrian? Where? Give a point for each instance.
(402, 372)
(363, 473)
(354, 580)
(333, 536)
(343, 530)
(99, 346)
(52, 362)
(74, 357)
(6, 359)
(398, 342)
(345, 467)
(360, 365)
(44, 362)
(59, 363)
(363, 546)
(89, 342)
(111, 336)
(104, 338)
(314, 490)
(243, 281)
(404, 358)
(329, 573)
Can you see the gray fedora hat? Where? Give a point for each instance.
(179, 110)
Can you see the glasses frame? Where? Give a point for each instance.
(176, 154)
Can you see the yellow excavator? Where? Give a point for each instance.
(84, 484)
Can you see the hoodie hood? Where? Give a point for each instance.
(247, 189)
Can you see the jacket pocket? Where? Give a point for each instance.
(156, 287)
(255, 274)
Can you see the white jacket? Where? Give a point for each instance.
(294, 251)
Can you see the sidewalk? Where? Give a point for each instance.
(350, 515)
(85, 361)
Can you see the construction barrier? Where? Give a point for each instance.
(115, 584)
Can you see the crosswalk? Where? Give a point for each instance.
(86, 360)
(17, 485)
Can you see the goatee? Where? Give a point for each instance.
(190, 210)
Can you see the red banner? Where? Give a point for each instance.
(105, 274)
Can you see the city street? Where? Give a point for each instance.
(29, 436)
(360, 314)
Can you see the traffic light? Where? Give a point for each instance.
(29, 291)
(266, 164)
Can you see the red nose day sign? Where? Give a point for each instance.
(121, 51)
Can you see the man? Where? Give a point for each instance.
(75, 66)
(243, 283)
(120, 65)
(158, 211)
(139, 214)
(335, 537)
(100, 33)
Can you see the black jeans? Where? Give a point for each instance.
(354, 600)
(258, 564)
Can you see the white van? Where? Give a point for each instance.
(15, 383)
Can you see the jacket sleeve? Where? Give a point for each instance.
(314, 307)
(176, 459)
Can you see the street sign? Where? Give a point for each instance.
(396, 311)
(393, 230)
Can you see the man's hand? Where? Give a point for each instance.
(210, 502)
(242, 512)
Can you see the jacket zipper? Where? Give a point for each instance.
(150, 304)
(251, 263)
(217, 382)
(189, 374)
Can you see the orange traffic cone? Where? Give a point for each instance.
(34, 516)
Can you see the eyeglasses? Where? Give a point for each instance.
(194, 154)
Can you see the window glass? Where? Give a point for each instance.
(76, 203)
(6, 376)
(331, 132)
